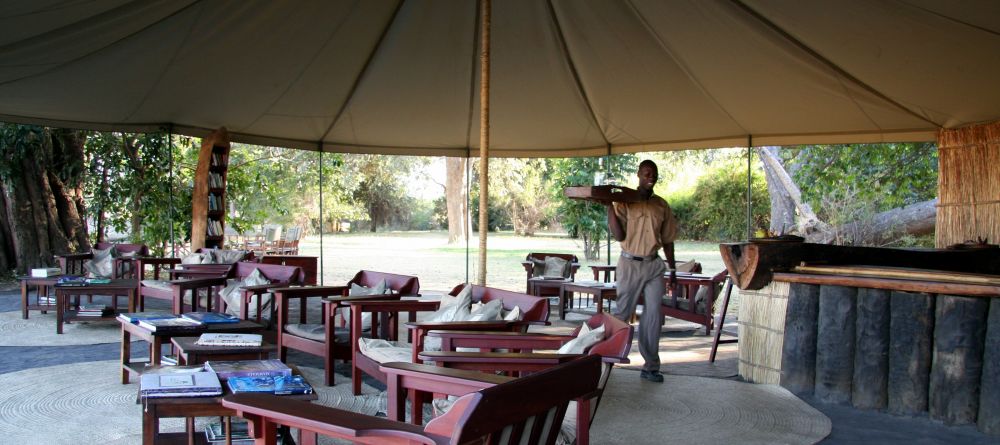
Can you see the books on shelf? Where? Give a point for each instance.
(248, 368)
(46, 300)
(279, 385)
(211, 317)
(135, 317)
(45, 272)
(94, 311)
(215, 181)
(176, 324)
(239, 432)
(213, 227)
(229, 339)
(195, 384)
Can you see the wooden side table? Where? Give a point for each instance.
(114, 289)
(156, 341)
(42, 286)
(189, 353)
(607, 269)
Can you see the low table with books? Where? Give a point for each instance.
(42, 301)
(217, 346)
(197, 391)
(158, 329)
(69, 288)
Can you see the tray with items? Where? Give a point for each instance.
(603, 193)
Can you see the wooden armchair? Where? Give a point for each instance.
(682, 302)
(534, 310)
(536, 261)
(527, 410)
(72, 264)
(279, 277)
(612, 348)
(326, 340)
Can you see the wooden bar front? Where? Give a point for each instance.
(872, 328)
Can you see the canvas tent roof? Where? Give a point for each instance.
(570, 77)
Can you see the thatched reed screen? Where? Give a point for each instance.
(968, 184)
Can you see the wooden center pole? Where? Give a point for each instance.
(484, 137)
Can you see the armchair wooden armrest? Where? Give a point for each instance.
(416, 381)
(266, 411)
(517, 341)
(180, 287)
(72, 263)
(497, 361)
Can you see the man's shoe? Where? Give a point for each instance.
(652, 376)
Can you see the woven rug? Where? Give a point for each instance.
(40, 330)
(85, 403)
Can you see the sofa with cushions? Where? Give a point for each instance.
(106, 260)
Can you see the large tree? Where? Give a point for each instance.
(584, 219)
(872, 194)
(42, 172)
(455, 199)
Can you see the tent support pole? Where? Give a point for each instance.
(321, 214)
(749, 203)
(484, 138)
(607, 175)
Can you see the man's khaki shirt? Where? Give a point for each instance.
(648, 225)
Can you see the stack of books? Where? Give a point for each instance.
(248, 368)
(46, 301)
(94, 311)
(279, 385)
(175, 324)
(211, 317)
(98, 280)
(239, 433)
(196, 384)
(227, 339)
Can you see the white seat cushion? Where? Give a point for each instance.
(317, 332)
(584, 339)
(157, 284)
(233, 298)
(383, 351)
(358, 290)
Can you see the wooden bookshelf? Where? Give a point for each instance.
(208, 201)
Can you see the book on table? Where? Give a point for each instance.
(196, 384)
(175, 324)
(71, 281)
(135, 317)
(98, 281)
(211, 317)
(45, 272)
(229, 339)
(248, 368)
(279, 385)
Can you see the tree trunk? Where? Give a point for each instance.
(133, 153)
(43, 196)
(782, 204)
(809, 225)
(454, 193)
(914, 219)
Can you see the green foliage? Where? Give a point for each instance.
(715, 210)
(583, 219)
(380, 186)
(889, 175)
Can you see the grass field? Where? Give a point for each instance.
(441, 266)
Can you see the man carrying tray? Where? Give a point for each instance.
(642, 228)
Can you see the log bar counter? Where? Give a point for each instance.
(908, 331)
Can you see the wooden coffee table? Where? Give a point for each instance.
(600, 291)
(189, 353)
(114, 289)
(154, 409)
(156, 341)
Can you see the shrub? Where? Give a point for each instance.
(716, 209)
